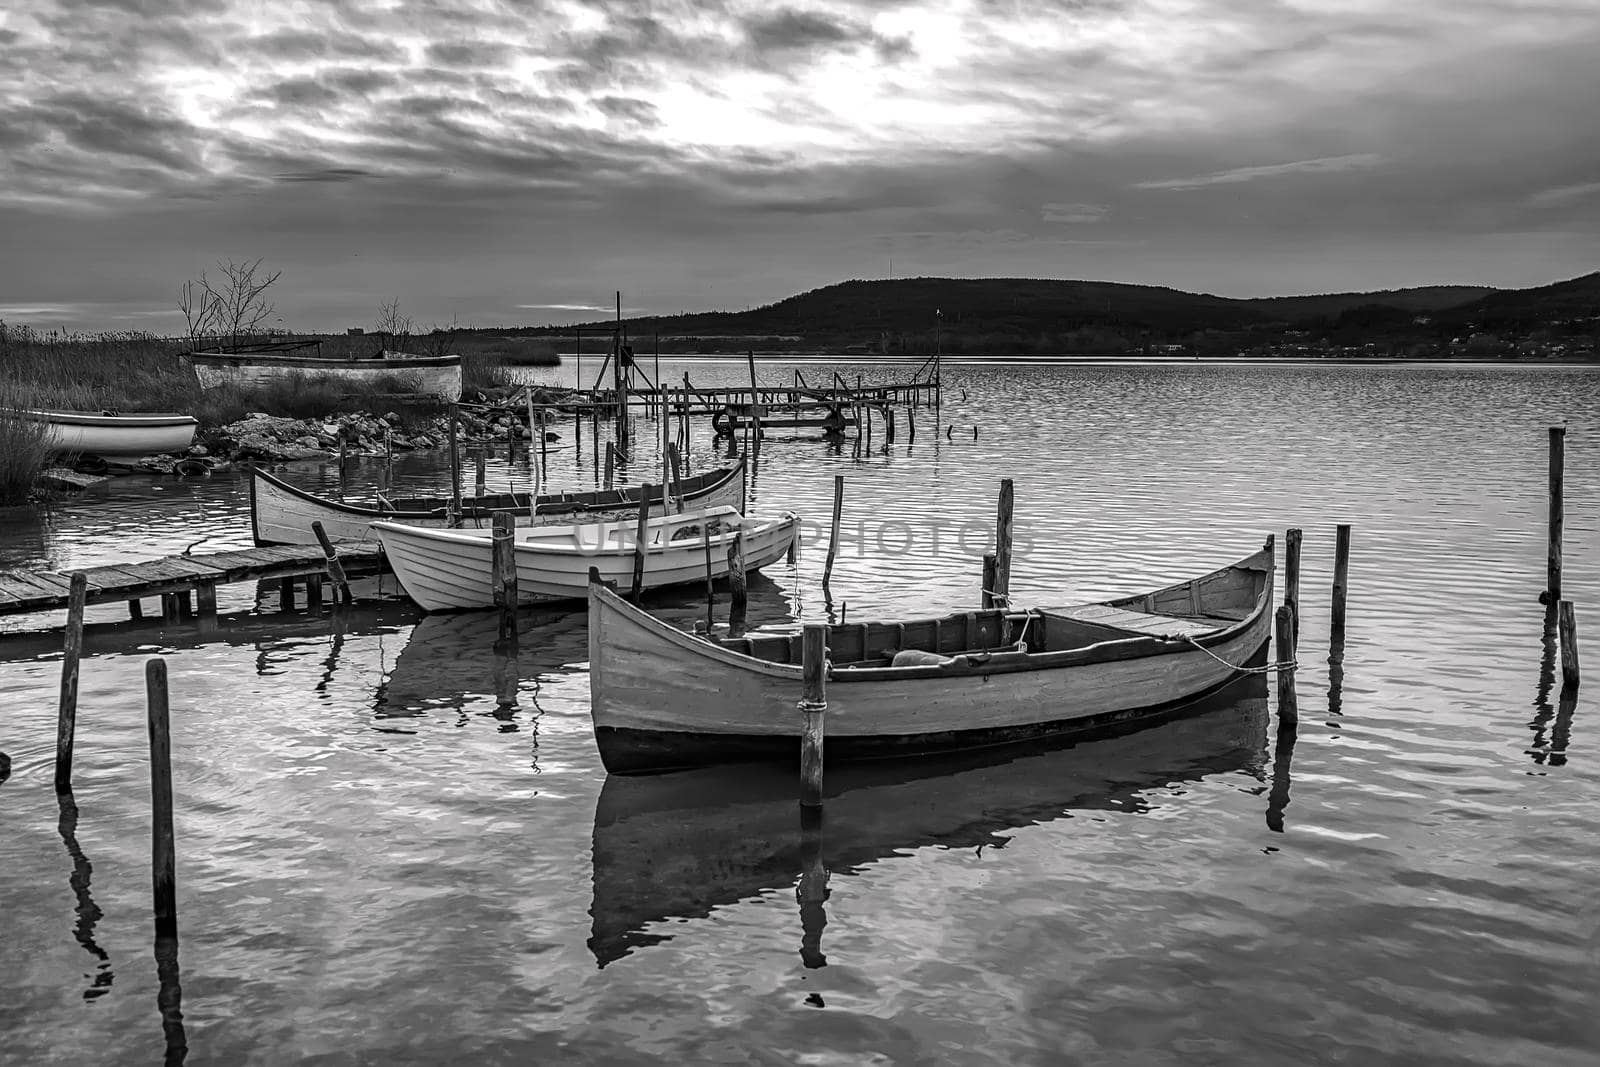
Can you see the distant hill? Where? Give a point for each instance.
(1422, 299)
(1576, 298)
(1021, 315)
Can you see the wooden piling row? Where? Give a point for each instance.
(1002, 545)
(335, 567)
(503, 548)
(833, 536)
(1288, 711)
(1557, 515)
(1567, 629)
(67, 712)
(814, 706)
(1291, 575)
(163, 860)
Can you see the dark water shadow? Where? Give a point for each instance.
(87, 911)
(677, 846)
(169, 1001)
(1282, 761)
(1551, 724)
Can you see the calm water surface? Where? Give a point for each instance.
(380, 863)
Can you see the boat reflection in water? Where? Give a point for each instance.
(680, 845)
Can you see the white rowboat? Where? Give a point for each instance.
(281, 514)
(102, 434)
(444, 570)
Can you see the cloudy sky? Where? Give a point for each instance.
(507, 162)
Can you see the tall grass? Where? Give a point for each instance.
(25, 447)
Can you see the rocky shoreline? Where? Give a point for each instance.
(260, 437)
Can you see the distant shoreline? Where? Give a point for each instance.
(1099, 360)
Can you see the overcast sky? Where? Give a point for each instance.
(505, 162)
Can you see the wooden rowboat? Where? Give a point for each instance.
(281, 514)
(664, 699)
(438, 376)
(671, 850)
(444, 570)
(97, 433)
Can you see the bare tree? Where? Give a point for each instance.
(199, 310)
(392, 324)
(441, 340)
(233, 307)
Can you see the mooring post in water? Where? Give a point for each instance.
(1341, 584)
(640, 533)
(1287, 709)
(611, 463)
(205, 598)
(163, 863)
(1558, 450)
(711, 595)
(677, 481)
(888, 428)
(67, 714)
(388, 459)
(991, 562)
(738, 594)
(343, 448)
(455, 465)
(1291, 576)
(833, 535)
(479, 465)
(1567, 627)
(911, 423)
(285, 594)
(335, 565)
(1002, 545)
(505, 571)
(813, 706)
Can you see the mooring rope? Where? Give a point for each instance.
(1281, 665)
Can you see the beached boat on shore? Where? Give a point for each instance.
(664, 699)
(281, 514)
(106, 433)
(444, 570)
(435, 376)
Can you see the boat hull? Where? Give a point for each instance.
(438, 376)
(451, 570)
(281, 514)
(662, 699)
(88, 433)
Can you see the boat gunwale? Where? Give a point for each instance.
(1113, 650)
(133, 420)
(534, 538)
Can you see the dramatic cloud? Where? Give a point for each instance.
(477, 157)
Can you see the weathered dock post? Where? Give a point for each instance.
(343, 449)
(480, 463)
(711, 593)
(1288, 711)
(814, 706)
(335, 565)
(505, 571)
(1567, 626)
(677, 480)
(1002, 546)
(888, 425)
(990, 562)
(1291, 576)
(67, 713)
(640, 533)
(911, 424)
(1558, 450)
(1341, 585)
(611, 463)
(755, 401)
(163, 862)
(737, 591)
(833, 536)
(455, 465)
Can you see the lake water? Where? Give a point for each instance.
(379, 863)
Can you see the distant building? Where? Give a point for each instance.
(355, 331)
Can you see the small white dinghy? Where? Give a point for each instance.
(100, 433)
(446, 570)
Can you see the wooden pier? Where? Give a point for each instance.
(174, 578)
